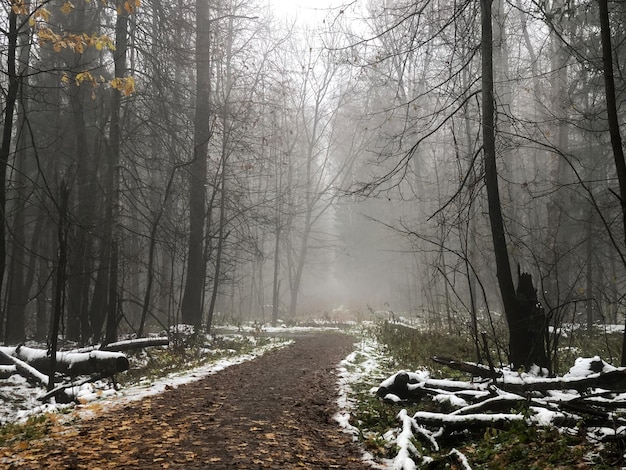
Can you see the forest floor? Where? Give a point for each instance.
(274, 412)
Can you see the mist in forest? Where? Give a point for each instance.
(244, 160)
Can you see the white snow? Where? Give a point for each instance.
(587, 366)
(18, 400)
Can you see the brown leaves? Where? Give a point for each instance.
(239, 418)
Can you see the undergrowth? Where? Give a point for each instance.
(34, 427)
(521, 446)
(152, 364)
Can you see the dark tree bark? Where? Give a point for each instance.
(503, 266)
(528, 333)
(113, 183)
(611, 110)
(81, 235)
(61, 280)
(522, 343)
(191, 307)
(18, 285)
(5, 148)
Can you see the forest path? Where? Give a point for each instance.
(274, 412)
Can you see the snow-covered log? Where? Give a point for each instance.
(24, 369)
(126, 345)
(138, 343)
(73, 364)
(7, 371)
(413, 387)
(478, 370)
(62, 389)
(452, 422)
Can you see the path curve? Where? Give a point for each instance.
(274, 412)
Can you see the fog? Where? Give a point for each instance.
(279, 161)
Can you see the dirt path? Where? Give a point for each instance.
(274, 412)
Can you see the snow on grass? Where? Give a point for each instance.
(361, 366)
(368, 360)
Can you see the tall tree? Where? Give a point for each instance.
(526, 342)
(15, 9)
(196, 269)
(122, 85)
(612, 116)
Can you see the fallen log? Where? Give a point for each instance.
(613, 380)
(452, 422)
(478, 370)
(74, 364)
(62, 389)
(126, 345)
(7, 371)
(138, 343)
(25, 369)
(512, 382)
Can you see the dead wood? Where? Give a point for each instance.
(61, 390)
(138, 343)
(25, 369)
(613, 380)
(478, 370)
(74, 364)
(7, 371)
(452, 422)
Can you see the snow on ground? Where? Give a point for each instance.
(367, 362)
(363, 365)
(18, 400)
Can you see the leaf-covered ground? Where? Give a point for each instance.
(273, 412)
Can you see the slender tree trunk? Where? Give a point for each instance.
(503, 267)
(18, 285)
(121, 42)
(194, 286)
(276, 281)
(7, 133)
(611, 110)
(61, 280)
(524, 319)
(82, 233)
(150, 272)
(43, 289)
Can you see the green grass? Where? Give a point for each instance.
(34, 427)
(155, 363)
(520, 446)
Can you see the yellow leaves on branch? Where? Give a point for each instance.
(75, 42)
(40, 13)
(129, 6)
(19, 7)
(125, 85)
(67, 7)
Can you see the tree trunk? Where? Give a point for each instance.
(194, 286)
(61, 280)
(113, 176)
(276, 281)
(18, 286)
(5, 149)
(611, 110)
(524, 348)
(503, 267)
